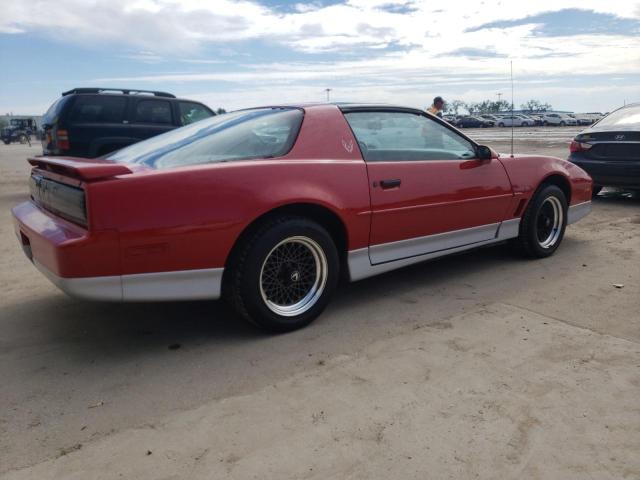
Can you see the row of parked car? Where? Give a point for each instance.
(520, 120)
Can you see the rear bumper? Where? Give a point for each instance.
(623, 173)
(87, 265)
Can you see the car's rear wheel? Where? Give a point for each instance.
(501, 125)
(543, 223)
(284, 273)
(562, 123)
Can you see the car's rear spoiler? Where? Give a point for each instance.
(81, 168)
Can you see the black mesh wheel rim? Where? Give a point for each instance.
(549, 222)
(293, 276)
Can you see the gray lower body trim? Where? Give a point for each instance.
(162, 286)
(578, 211)
(360, 265)
(413, 247)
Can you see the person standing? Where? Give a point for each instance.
(436, 108)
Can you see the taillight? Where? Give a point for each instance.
(579, 146)
(62, 136)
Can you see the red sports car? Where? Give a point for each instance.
(268, 207)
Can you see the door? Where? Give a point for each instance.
(428, 190)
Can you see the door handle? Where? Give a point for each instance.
(391, 183)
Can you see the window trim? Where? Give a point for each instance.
(416, 111)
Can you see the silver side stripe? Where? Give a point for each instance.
(432, 246)
(180, 285)
(412, 247)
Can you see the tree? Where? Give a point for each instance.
(487, 106)
(453, 107)
(536, 106)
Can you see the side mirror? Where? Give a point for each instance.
(484, 153)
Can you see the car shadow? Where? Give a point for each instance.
(128, 329)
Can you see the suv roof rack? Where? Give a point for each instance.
(125, 91)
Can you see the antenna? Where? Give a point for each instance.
(512, 119)
(328, 90)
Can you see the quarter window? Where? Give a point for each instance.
(402, 136)
(153, 111)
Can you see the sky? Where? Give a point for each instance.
(577, 55)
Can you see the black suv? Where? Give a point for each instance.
(90, 122)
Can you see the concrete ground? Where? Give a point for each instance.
(480, 365)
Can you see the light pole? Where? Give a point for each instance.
(328, 90)
(499, 95)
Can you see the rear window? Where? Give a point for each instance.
(53, 112)
(98, 109)
(627, 118)
(246, 134)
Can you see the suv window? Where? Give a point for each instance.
(153, 111)
(403, 136)
(98, 109)
(192, 112)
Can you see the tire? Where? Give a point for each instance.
(562, 124)
(595, 191)
(545, 124)
(543, 223)
(501, 125)
(284, 257)
(23, 139)
(525, 124)
(6, 142)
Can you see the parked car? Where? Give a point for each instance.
(491, 118)
(89, 122)
(470, 121)
(19, 130)
(511, 120)
(537, 119)
(269, 207)
(558, 120)
(610, 149)
(580, 120)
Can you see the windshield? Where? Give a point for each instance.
(627, 118)
(245, 134)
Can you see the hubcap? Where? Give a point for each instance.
(293, 276)
(549, 222)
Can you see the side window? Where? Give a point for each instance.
(153, 111)
(402, 136)
(192, 112)
(98, 109)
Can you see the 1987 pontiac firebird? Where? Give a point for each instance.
(269, 206)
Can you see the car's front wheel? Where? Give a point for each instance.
(501, 125)
(284, 273)
(543, 223)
